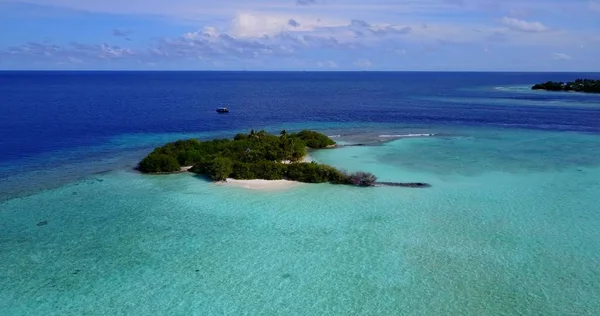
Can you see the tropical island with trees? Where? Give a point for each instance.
(257, 155)
(579, 85)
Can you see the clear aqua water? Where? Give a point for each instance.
(510, 226)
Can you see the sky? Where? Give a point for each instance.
(339, 35)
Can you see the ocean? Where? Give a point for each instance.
(510, 225)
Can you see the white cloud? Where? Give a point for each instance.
(561, 56)
(267, 30)
(363, 64)
(209, 33)
(327, 64)
(257, 24)
(73, 53)
(251, 25)
(523, 26)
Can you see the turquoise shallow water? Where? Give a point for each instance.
(510, 227)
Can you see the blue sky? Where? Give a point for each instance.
(438, 35)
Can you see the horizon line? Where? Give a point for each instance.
(297, 71)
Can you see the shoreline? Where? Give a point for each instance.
(265, 185)
(183, 169)
(305, 159)
(260, 184)
(282, 184)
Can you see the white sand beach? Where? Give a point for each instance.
(306, 158)
(260, 184)
(186, 168)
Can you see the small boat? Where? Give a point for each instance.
(222, 110)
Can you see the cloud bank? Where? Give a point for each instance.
(301, 34)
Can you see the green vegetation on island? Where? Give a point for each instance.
(257, 155)
(579, 85)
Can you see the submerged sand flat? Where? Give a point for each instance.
(510, 224)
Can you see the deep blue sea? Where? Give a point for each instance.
(49, 111)
(510, 226)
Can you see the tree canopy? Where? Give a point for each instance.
(579, 85)
(256, 155)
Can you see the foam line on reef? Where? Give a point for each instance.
(406, 135)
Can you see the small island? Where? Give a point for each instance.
(257, 155)
(579, 85)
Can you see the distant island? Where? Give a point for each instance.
(257, 155)
(579, 85)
